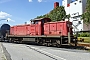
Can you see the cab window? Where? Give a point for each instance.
(43, 21)
(36, 22)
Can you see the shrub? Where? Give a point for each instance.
(84, 35)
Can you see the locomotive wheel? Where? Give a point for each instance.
(9, 40)
(20, 42)
(37, 41)
(40, 43)
(58, 43)
(48, 44)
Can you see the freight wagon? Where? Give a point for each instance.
(43, 31)
(4, 28)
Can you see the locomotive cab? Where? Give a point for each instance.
(40, 20)
(38, 25)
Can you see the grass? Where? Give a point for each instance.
(88, 50)
(86, 39)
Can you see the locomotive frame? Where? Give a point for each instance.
(47, 40)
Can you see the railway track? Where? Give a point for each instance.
(86, 45)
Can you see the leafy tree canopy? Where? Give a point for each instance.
(86, 14)
(56, 14)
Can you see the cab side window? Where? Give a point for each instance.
(36, 22)
(43, 21)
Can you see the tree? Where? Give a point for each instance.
(56, 14)
(86, 14)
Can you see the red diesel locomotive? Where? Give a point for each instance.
(43, 31)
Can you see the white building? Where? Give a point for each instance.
(75, 9)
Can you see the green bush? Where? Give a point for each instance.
(84, 35)
(78, 35)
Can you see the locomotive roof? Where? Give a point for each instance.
(40, 19)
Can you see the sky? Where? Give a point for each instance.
(20, 11)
